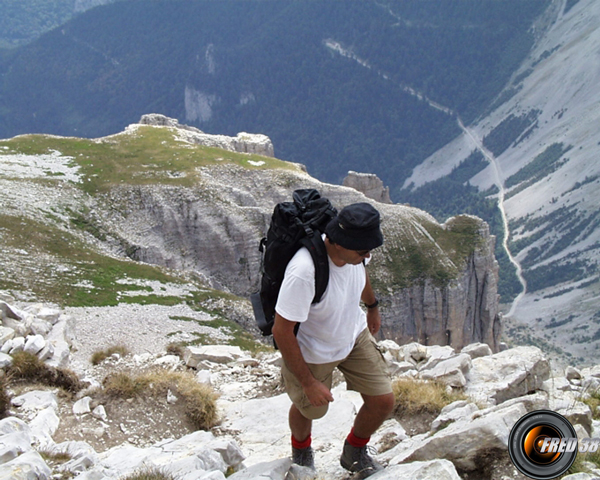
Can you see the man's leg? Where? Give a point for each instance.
(302, 413)
(366, 372)
(299, 425)
(374, 411)
(302, 452)
(372, 414)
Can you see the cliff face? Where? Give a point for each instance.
(462, 312)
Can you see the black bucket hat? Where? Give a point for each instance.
(356, 227)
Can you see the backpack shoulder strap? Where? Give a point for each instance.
(318, 252)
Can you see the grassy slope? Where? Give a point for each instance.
(70, 270)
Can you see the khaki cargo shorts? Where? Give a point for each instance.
(364, 369)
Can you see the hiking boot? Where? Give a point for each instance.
(303, 457)
(358, 460)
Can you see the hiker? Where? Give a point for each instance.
(335, 332)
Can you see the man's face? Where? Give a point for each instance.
(353, 257)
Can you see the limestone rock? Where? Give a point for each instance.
(274, 470)
(509, 374)
(428, 470)
(459, 410)
(244, 142)
(36, 400)
(450, 371)
(6, 311)
(463, 442)
(6, 334)
(34, 344)
(193, 356)
(369, 184)
(5, 360)
(82, 406)
(25, 467)
(476, 350)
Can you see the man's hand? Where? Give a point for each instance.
(317, 393)
(373, 320)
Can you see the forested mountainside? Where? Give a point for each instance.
(23, 21)
(337, 86)
(536, 157)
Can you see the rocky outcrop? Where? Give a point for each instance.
(38, 330)
(244, 142)
(463, 312)
(369, 184)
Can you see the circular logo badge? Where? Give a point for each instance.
(542, 444)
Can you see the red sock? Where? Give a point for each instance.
(304, 444)
(357, 441)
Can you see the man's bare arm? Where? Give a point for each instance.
(373, 315)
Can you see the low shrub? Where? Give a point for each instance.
(123, 385)
(4, 397)
(583, 462)
(200, 400)
(592, 400)
(175, 349)
(28, 367)
(100, 355)
(418, 396)
(149, 473)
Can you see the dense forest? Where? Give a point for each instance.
(22, 21)
(267, 67)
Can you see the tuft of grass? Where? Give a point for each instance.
(200, 400)
(175, 349)
(123, 385)
(417, 396)
(55, 457)
(149, 473)
(28, 367)
(4, 397)
(100, 355)
(582, 463)
(592, 400)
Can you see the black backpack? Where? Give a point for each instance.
(293, 225)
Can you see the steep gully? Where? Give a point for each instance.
(477, 143)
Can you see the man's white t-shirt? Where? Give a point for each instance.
(329, 328)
